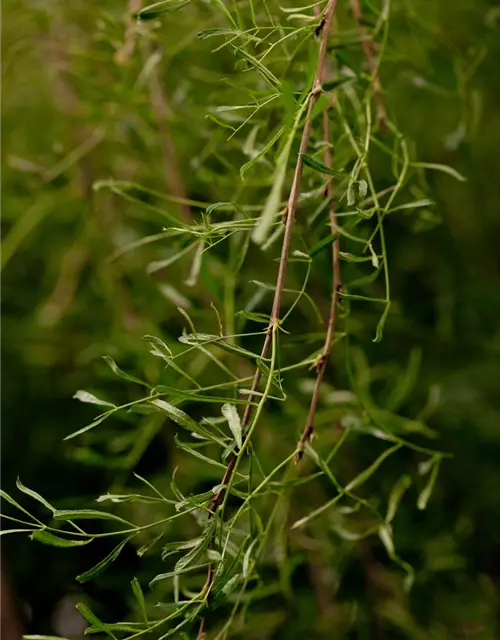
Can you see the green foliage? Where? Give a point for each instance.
(194, 136)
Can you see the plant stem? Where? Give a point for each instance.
(308, 432)
(322, 32)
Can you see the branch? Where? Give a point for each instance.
(291, 209)
(289, 220)
(369, 52)
(308, 432)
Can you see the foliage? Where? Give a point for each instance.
(243, 204)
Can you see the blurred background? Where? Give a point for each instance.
(80, 107)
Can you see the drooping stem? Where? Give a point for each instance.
(308, 432)
(291, 209)
(322, 33)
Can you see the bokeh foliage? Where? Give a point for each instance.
(76, 114)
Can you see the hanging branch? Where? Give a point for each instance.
(308, 432)
(322, 32)
(369, 52)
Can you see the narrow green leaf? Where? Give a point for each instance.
(217, 341)
(177, 415)
(5, 496)
(101, 566)
(100, 418)
(258, 156)
(333, 84)
(127, 627)
(415, 204)
(122, 374)
(425, 494)
(379, 334)
(139, 596)
(230, 413)
(157, 9)
(444, 168)
(247, 558)
(318, 166)
(33, 494)
(90, 617)
(367, 473)
(45, 537)
(194, 452)
(397, 493)
(87, 514)
(171, 574)
(37, 637)
(85, 396)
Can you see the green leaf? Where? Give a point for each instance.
(396, 496)
(100, 418)
(139, 596)
(258, 156)
(37, 637)
(194, 396)
(333, 84)
(217, 341)
(45, 537)
(85, 396)
(367, 473)
(157, 9)
(87, 514)
(194, 452)
(318, 166)
(127, 627)
(425, 494)
(101, 566)
(33, 494)
(5, 496)
(90, 617)
(444, 168)
(177, 415)
(379, 333)
(122, 374)
(229, 412)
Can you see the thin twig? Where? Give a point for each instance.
(369, 52)
(285, 250)
(308, 432)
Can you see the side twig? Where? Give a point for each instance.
(369, 51)
(280, 280)
(308, 432)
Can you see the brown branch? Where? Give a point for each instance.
(369, 52)
(290, 216)
(285, 250)
(308, 432)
